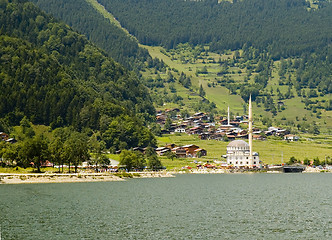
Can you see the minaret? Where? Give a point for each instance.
(250, 134)
(228, 122)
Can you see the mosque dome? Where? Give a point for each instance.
(238, 144)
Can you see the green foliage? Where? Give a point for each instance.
(292, 160)
(132, 160)
(316, 161)
(306, 161)
(281, 26)
(76, 149)
(201, 91)
(80, 15)
(154, 162)
(171, 155)
(54, 76)
(125, 132)
(35, 150)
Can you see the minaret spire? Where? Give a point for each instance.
(250, 134)
(228, 121)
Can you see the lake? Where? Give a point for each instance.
(189, 206)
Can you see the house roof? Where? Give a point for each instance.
(190, 145)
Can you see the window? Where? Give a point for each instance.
(254, 162)
(236, 162)
(247, 162)
(241, 163)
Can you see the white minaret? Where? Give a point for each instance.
(228, 122)
(250, 134)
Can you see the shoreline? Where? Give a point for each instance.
(31, 178)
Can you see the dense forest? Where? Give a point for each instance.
(81, 16)
(285, 27)
(55, 76)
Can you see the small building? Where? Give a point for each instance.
(180, 130)
(11, 140)
(291, 137)
(191, 149)
(162, 150)
(258, 137)
(139, 149)
(4, 136)
(200, 152)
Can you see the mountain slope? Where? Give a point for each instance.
(55, 76)
(286, 27)
(82, 16)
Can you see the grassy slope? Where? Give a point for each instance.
(219, 95)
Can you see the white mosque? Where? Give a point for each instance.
(239, 153)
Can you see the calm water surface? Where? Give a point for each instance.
(220, 206)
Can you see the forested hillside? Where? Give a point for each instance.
(54, 76)
(80, 15)
(285, 27)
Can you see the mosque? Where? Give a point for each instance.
(240, 153)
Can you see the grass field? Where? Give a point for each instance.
(26, 170)
(270, 151)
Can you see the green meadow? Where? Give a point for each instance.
(271, 151)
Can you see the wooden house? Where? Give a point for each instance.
(191, 149)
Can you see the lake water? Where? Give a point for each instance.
(216, 206)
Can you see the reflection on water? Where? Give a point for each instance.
(220, 206)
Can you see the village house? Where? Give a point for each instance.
(180, 152)
(4, 136)
(200, 152)
(162, 150)
(11, 140)
(258, 137)
(191, 149)
(180, 130)
(170, 145)
(291, 137)
(195, 130)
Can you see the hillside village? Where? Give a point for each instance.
(222, 128)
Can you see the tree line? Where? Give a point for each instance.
(65, 146)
